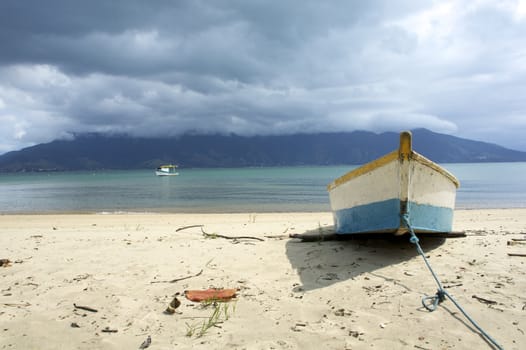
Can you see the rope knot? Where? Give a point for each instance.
(441, 295)
(432, 302)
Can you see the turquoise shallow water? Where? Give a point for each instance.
(483, 185)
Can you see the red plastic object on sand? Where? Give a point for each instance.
(210, 294)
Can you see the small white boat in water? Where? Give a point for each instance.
(166, 170)
(374, 197)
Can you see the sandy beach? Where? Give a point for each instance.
(290, 295)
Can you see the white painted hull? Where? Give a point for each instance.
(167, 170)
(373, 198)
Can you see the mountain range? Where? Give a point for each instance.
(99, 151)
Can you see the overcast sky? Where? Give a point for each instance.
(250, 67)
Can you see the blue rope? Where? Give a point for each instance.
(432, 302)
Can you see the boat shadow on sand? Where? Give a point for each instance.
(327, 259)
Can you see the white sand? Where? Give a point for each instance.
(292, 295)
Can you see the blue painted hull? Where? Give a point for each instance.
(384, 216)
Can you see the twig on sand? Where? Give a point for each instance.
(87, 308)
(485, 301)
(109, 330)
(16, 304)
(517, 254)
(215, 235)
(187, 227)
(277, 236)
(179, 279)
(421, 347)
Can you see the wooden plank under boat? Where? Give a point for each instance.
(373, 197)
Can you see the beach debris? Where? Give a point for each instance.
(342, 312)
(87, 308)
(314, 237)
(298, 327)
(17, 304)
(81, 277)
(174, 304)
(517, 254)
(210, 294)
(517, 241)
(146, 343)
(355, 334)
(5, 262)
(109, 330)
(483, 300)
(236, 238)
(421, 347)
(179, 279)
(74, 325)
(279, 237)
(187, 227)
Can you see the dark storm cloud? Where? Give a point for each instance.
(254, 67)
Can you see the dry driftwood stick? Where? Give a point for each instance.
(516, 254)
(421, 347)
(109, 330)
(485, 301)
(215, 235)
(317, 237)
(277, 236)
(16, 305)
(87, 308)
(179, 279)
(187, 227)
(519, 239)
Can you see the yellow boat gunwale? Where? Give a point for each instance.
(404, 152)
(364, 169)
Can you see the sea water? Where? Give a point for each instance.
(273, 189)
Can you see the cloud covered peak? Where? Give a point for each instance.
(166, 68)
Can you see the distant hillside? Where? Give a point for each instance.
(94, 151)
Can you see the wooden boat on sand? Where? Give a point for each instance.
(374, 197)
